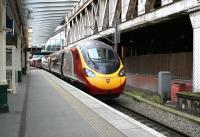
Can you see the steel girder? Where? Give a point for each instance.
(43, 16)
(90, 18)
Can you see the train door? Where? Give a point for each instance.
(49, 63)
(78, 68)
(56, 63)
(68, 68)
(72, 64)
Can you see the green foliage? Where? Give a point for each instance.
(146, 95)
(190, 95)
(156, 99)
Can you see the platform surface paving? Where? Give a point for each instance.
(54, 108)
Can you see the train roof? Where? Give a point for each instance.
(90, 43)
(94, 43)
(85, 44)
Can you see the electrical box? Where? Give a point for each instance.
(164, 84)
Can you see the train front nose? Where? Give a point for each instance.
(106, 83)
(109, 84)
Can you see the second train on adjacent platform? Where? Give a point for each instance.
(93, 64)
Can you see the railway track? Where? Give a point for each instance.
(115, 103)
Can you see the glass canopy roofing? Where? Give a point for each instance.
(44, 16)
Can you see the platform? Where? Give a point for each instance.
(46, 106)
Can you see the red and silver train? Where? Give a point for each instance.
(93, 64)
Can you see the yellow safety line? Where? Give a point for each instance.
(100, 125)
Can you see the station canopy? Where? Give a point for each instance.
(42, 17)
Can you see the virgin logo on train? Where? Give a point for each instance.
(108, 80)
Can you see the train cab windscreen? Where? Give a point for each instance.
(101, 54)
(101, 58)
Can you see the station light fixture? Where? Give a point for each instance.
(29, 38)
(30, 30)
(29, 45)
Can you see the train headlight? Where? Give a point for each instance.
(122, 73)
(89, 73)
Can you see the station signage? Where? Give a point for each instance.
(10, 27)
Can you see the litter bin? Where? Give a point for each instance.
(175, 88)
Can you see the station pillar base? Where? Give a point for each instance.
(3, 99)
(195, 20)
(19, 76)
(24, 71)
